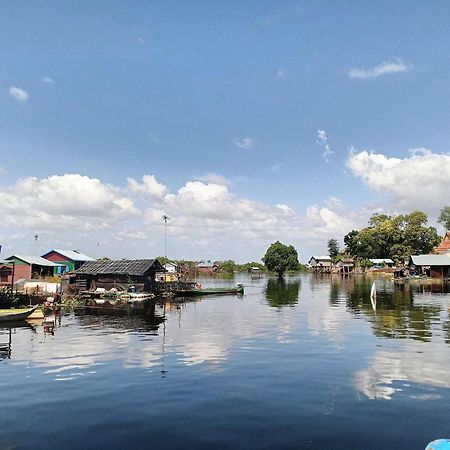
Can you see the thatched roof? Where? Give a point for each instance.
(133, 267)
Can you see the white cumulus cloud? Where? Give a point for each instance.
(64, 200)
(150, 187)
(48, 80)
(418, 181)
(206, 216)
(19, 94)
(245, 143)
(386, 67)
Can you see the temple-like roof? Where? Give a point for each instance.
(444, 246)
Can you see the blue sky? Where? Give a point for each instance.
(180, 90)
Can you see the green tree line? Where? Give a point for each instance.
(397, 237)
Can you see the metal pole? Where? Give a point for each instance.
(166, 218)
(12, 276)
(165, 239)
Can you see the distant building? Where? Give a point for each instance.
(171, 267)
(68, 259)
(344, 265)
(6, 271)
(444, 246)
(121, 275)
(31, 267)
(435, 266)
(382, 262)
(206, 267)
(320, 263)
(171, 273)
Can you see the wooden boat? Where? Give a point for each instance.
(239, 289)
(9, 315)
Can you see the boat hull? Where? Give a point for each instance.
(208, 291)
(6, 316)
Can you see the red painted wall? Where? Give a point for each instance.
(55, 257)
(22, 271)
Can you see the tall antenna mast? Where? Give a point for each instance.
(166, 218)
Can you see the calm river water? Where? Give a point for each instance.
(306, 364)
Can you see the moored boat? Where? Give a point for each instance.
(9, 315)
(239, 289)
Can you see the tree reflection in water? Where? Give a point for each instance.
(397, 315)
(282, 293)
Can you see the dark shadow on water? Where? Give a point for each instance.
(282, 293)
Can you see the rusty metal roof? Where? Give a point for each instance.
(134, 267)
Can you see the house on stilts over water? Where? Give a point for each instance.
(139, 274)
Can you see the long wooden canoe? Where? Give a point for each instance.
(9, 315)
(209, 291)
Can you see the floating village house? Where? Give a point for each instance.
(171, 273)
(435, 266)
(344, 265)
(320, 263)
(382, 262)
(68, 259)
(27, 268)
(6, 272)
(206, 267)
(122, 275)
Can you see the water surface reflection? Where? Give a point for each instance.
(311, 348)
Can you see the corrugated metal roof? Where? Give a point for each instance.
(431, 260)
(321, 258)
(72, 254)
(346, 260)
(37, 260)
(381, 260)
(135, 267)
(206, 264)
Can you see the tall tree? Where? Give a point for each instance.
(351, 243)
(280, 257)
(333, 248)
(395, 237)
(444, 218)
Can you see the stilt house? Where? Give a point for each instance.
(320, 263)
(345, 265)
(435, 266)
(121, 275)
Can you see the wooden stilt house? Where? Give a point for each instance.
(121, 275)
